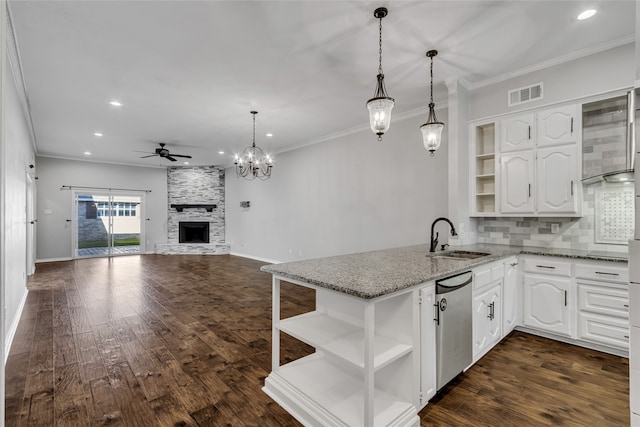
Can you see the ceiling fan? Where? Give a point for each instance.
(164, 153)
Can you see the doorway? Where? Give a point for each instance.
(108, 224)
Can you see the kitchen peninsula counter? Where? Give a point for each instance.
(373, 274)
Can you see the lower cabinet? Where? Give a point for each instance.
(548, 303)
(511, 296)
(487, 320)
(428, 375)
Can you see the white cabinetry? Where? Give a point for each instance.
(517, 133)
(556, 183)
(603, 304)
(428, 376)
(548, 297)
(511, 296)
(487, 320)
(530, 166)
(516, 182)
(363, 369)
(487, 307)
(557, 125)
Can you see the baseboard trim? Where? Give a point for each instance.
(271, 261)
(580, 343)
(11, 333)
(54, 259)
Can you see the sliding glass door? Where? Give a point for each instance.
(108, 224)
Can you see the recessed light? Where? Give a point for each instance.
(269, 135)
(586, 14)
(220, 152)
(87, 153)
(97, 134)
(186, 163)
(116, 103)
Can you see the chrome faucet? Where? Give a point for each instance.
(434, 240)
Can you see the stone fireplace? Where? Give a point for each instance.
(195, 220)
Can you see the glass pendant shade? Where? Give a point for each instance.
(432, 136)
(380, 114)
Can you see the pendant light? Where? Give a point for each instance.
(253, 163)
(432, 129)
(381, 104)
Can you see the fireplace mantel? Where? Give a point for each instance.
(180, 207)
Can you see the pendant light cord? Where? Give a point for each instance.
(254, 130)
(380, 48)
(431, 99)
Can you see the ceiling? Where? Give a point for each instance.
(188, 73)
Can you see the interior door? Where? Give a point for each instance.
(107, 224)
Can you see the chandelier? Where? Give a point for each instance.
(432, 130)
(381, 104)
(253, 163)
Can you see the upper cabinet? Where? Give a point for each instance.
(517, 133)
(557, 179)
(527, 164)
(557, 126)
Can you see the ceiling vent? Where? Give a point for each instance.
(524, 94)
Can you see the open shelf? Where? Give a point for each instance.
(342, 339)
(315, 385)
(484, 174)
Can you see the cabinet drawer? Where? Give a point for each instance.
(547, 266)
(497, 271)
(605, 330)
(605, 300)
(481, 277)
(603, 272)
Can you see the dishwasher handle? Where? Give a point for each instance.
(453, 283)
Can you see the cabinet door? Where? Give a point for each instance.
(487, 321)
(557, 179)
(516, 133)
(557, 125)
(516, 182)
(547, 303)
(510, 297)
(428, 378)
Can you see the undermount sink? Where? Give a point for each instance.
(461, 255)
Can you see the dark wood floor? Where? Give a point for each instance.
(185, 340)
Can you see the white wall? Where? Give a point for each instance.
(54, 234)
(602, 72)
(346, 195)
(17, 155)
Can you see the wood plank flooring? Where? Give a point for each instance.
(184, 340)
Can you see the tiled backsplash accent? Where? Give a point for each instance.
(196, 185)
(574, 233)
(604, 127)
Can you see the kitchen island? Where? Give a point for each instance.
(367, 332)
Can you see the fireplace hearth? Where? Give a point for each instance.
(193, 232)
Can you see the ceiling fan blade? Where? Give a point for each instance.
(170, 158)
(150, 155)
(180, 155)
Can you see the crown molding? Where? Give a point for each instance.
(553, 62)
(15, 65)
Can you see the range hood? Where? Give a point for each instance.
(608, 133)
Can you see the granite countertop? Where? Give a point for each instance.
(372, 274)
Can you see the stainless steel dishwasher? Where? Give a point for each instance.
(454, 341)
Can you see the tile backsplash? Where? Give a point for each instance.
(574, 233)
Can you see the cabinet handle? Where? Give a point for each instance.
(626, 306)
(529, 190)
(626, 336)
(572, 125)
(546, 266)
(437, 307)
(491, 311)
(529, 132)
(572, 187)
(607, 274)
(565, 298)
(513, 264)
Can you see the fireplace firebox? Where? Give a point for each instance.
(193, 232)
